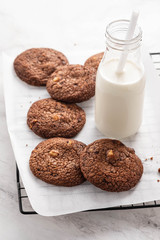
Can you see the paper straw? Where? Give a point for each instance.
(129, 36)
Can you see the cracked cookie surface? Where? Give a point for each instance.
(72, 83)
(94, 61)
(35, 65)
(110, 165)
(49, 118)
(56, 161)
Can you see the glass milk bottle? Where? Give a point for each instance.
(119, 96)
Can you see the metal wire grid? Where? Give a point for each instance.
(24, 204)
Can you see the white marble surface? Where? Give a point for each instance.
(40, 23)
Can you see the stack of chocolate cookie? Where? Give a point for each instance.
(108, 164)
(67, 84)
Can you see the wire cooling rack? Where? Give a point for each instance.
(24, 204)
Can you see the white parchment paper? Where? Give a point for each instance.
(49, 200)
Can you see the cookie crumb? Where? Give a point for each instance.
(158, 180)
(146, 159)
(159, 170)
(151, 158)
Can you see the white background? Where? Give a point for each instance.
(41, 23)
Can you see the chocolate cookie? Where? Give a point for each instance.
(94, 61)
(110, 165)
(56, 161)
(48, 118)
(35, 65)
(72, 83)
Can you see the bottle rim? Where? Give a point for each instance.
(111, 26)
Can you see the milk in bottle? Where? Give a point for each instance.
(119, 96)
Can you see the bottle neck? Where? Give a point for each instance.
(133, 55)
(116, 42)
